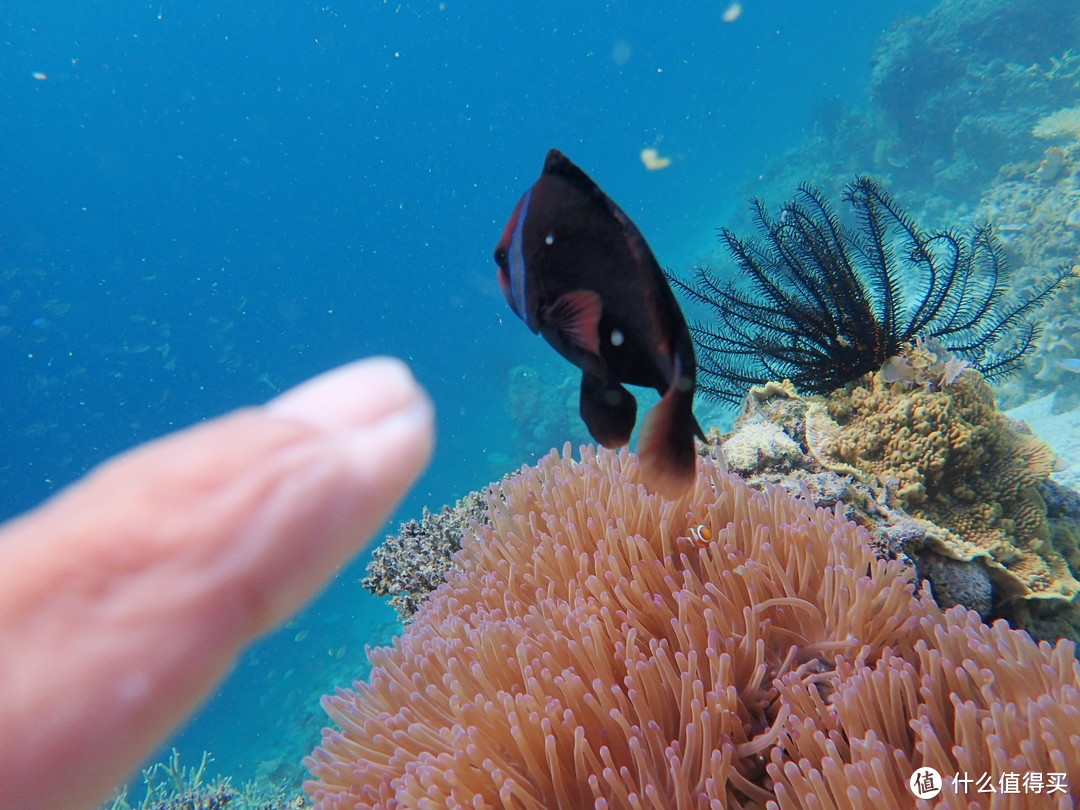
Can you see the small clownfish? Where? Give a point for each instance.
(702, 535)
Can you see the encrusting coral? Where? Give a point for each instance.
(597, 647)
(951, 458)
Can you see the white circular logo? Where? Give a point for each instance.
(925, 783)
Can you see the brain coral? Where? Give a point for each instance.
(589, 653)
(951, 458)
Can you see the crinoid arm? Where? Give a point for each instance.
(826, 303)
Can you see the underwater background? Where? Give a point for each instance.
(207, 203)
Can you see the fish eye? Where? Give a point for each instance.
(500, 255)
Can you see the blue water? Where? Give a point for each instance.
(206, 203)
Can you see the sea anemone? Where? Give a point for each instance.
(601, 647)
(828, 303)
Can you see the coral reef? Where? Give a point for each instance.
(944, 113)
(829, 303)
(759, 444)
(954, 94)
(1063, 124)
(1061, 430)
(590, 652)
(414, 562)
(169, 785)
(924, 363)
(956, 90)
(1037, 211)
(544, 404)
(971, 118)
(942, 478)
(918, 454)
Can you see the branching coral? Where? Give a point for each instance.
(1063, 123)
(411, 564)
(828, 303)
(590, 653)
(172, 786)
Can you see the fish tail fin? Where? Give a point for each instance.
(666, 445)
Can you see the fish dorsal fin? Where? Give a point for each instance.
(559, 165)
(576, 316)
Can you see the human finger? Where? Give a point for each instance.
(124, 599)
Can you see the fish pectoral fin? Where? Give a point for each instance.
(608, 410)
(576, 318)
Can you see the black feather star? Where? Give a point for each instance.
(828, 304)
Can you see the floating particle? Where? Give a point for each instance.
(37, 74)
(652, 160)
(621, 52)
(732, 12)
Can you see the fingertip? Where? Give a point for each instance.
(340, 484)
(357, 394)
(398, 446)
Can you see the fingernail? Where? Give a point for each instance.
(361, 394)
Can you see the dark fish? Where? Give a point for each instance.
(576, 269)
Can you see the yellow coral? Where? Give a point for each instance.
(952, 459)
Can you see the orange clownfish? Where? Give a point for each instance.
(702, 535)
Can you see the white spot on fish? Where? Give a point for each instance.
(617, 337)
